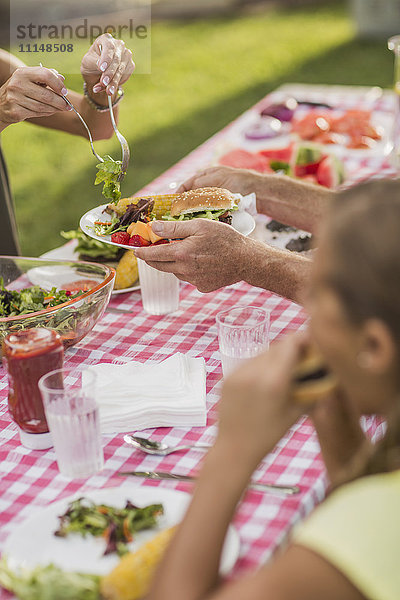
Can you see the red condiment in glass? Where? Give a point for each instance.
(28, 354)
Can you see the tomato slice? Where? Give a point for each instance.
(81, 285)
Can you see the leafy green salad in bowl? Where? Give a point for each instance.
(68, 296)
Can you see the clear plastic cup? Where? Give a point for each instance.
(160, 291)
(243, 332)
(73, 418)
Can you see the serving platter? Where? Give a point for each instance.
(236, 136)
(33, 542)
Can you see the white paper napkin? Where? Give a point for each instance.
(137, 395)
(248, 203)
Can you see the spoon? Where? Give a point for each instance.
(151, 447)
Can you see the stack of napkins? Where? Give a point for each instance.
(137, 395)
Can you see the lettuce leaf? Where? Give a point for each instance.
(91, 247)
(208, 214)
(48, 583)
(108, 172)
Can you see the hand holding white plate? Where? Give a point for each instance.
(242, 221)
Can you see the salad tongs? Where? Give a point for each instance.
(99, 158)
(124, 144)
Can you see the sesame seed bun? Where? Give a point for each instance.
(201, 200)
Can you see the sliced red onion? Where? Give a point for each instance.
(265, 129)
(283, 111)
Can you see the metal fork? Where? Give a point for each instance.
(124, 144)
(99, 158)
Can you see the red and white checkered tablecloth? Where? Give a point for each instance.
(30, 479)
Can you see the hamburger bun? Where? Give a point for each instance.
(202, 199)
(312, 381)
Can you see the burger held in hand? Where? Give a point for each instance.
(135, 215)
(204, 203)
(312, 380)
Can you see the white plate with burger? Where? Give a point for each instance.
(210, 203)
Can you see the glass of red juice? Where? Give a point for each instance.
(29, 354)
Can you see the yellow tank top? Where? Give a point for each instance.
(357, 529)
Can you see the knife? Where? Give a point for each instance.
(114, 309)
(261, 487)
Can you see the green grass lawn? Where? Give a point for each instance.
(204, 73)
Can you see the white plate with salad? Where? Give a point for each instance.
(242, 221)
(67, 252)
(33, 542)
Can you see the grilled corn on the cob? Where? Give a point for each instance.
(131, 578)
(162, 204)
(126, 271)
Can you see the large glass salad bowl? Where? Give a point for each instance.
(75, 316)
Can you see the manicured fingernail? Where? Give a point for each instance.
(112, 90)
(157, 227)
(97, 88)
(103, 67)
(106, 80)
(57, 73)
(69, 107)
(64, 91)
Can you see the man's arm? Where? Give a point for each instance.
(279, 271)
(291, 201)
(210, 255)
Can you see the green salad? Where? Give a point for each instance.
(116, 525)
(32, 299)
(48, 583)
(91, 248)
(108, 173)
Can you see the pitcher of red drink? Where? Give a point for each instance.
(28, 354)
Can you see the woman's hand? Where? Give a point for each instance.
(255, 409)
(31, 92)
(107, 64)
(238, 181)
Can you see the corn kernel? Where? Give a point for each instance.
(131, 578)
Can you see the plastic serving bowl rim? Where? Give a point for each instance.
(51, 309)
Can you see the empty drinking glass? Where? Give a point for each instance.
(243, 332)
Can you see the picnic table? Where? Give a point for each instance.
(30, 480)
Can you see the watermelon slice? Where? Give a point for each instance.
(242, 159)
(330, 172)
(280, 154)
(306, 159)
